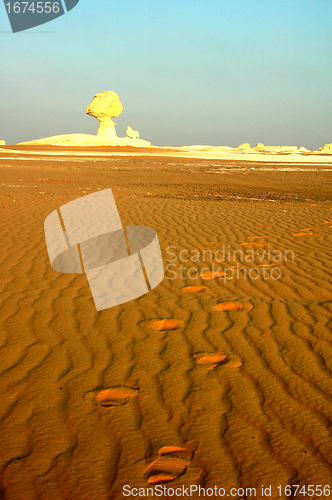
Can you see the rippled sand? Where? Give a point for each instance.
(173, 388)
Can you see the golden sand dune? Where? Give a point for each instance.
(262, 417)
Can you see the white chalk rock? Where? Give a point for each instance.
(86, 140)
(133, 134)
(302, 149)
(104, 107)
(289, 149)
(261, 148)
(326, 149)
(2, 143)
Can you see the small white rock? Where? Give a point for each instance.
(132, 134)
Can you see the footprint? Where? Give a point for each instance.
(177, 451)
(255, 237)
(213, 360)
(167, 324)
(303, 234)
(235, 362)
(165, 469)
(195, 289)
(171, 463)
(232, 306)
(116, 396)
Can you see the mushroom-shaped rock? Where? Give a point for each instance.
(104, 107)
(2, 143)
(133, 134)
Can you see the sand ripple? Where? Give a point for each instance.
(73, 423)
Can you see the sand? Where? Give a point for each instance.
(233, 390)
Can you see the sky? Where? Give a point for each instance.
(186, 71)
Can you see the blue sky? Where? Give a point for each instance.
(187, 72)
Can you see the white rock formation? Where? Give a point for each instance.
(104, 107)
(2, 143)
(302, 149)
(261, 148)
(289, 149)
(133, 134)
(326, 149)
(86, 140)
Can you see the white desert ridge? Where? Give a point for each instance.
(82, 140)
(106, 105)
(273, 154)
